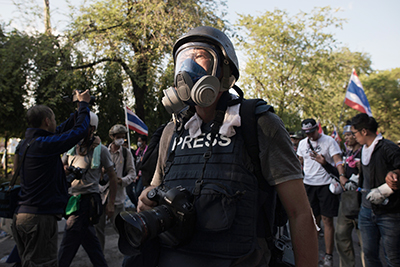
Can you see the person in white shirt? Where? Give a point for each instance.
(317, 180)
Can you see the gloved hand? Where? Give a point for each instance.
(378, 195)
(352, 183)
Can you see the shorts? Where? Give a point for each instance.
(322, 201)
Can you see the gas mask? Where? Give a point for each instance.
(196, 78)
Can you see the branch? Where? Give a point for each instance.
(95, 63)
(97, 30)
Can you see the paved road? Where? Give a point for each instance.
(115, 258)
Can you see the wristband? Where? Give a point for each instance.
(342, 174)
(339, 163)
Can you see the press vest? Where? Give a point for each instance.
(226, 208)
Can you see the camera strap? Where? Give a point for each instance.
(222, 106)
(311, 146)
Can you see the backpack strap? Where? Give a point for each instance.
(20, 162)
(125, 154)
(249, 109)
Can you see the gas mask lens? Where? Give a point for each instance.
(197, 60)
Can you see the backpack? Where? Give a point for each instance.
(281, 248)
(248, 111)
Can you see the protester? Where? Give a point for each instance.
(126, 173)
(83, 164)
(134, 189)
(379, 216)
(317, 180)
(296, 138)
(44, 195)
(149, 160)
(346, 222)
(206, 66)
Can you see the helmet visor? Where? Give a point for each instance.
(197, 59)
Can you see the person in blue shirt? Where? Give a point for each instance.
(44, 194)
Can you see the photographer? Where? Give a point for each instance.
(226, 193)
(44, 195)
(84, 207)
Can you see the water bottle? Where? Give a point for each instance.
(363, 190)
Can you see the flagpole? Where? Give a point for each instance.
(341, 112)
(345, 86)
(127, 127)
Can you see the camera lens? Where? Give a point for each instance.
(139, 227)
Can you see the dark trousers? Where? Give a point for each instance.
(79, 231)
(133, 190)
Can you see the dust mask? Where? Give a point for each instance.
(119, 142)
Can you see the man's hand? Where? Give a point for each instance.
(113, 191)
(318, 158)
(352, 183)
(109, 211)
(378, 195)
(85, 96)
(143, 202)
(392, 179)
(343, 181)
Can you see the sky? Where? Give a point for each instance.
(373, 27)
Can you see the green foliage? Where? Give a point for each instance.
(53, 74)
(14, 47)
(296, 65)
(383, 91)
(109, 100)
(139, 36)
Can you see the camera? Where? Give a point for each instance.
(75, 173)
(173, 220)
(74, 99)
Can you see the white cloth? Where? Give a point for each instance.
(232, 119)
(314, 173)
(367, 151)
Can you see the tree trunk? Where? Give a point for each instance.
(6, 158)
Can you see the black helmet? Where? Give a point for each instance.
(215, 37)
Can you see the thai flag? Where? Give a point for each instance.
(320, 128)
(135, 123)
(355, 95)
(335, 135)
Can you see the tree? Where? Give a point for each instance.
(139, 36)
(109, 100)
(14, 48)
(383, 91)
(296, 64)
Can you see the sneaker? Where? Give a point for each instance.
(327, 261)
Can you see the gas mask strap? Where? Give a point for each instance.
(235, 101)
(226, 75)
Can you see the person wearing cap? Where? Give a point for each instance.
(126, 173)
(296, 138)
(206, 67)
(84, 206)
(317, 180)
(379, 216)
(44, 194)
(346, 224)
